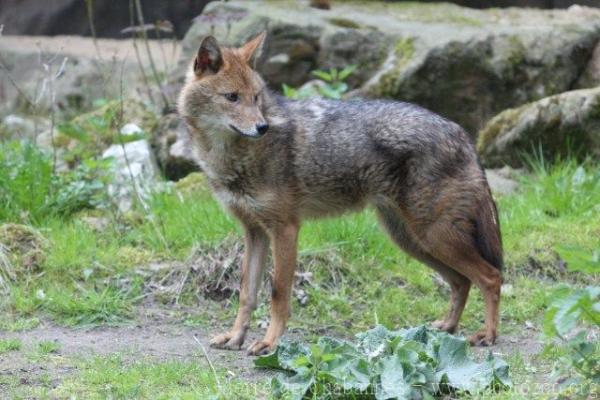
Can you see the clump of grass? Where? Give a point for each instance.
(89, 307)
(23, 250)
(46, 347)
(7, 345)
(11, 323)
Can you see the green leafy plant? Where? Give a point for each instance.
(31, 191)
(571, 314)
(412, 363)
(81, 188)
(330, 85)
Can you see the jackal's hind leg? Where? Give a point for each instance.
(459, 284)
(457, 251)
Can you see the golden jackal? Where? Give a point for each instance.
(272, 162)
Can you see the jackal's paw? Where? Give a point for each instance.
(261, 347)
(228, 340)
(444, 325)
(483, 338)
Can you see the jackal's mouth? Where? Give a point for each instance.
(240, 132)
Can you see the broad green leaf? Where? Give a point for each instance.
(393, 383)
(329, 92)
(569, 309)
(353, 374)
(326, 76)
(346, 72)
(373, 342)
(283, 357)
(289, 91)
(74, 131)
(463, 373)
(292, 388)
(580, 260)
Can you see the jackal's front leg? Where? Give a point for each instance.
(257, 244)
(285, 240)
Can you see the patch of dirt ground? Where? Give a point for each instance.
(155, 341)
(161, 340)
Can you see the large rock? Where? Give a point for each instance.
(22, 127)
(300, 39)
(568, 122)
(465, 64)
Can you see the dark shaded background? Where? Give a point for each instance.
(70, 17)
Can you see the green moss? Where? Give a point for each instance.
(498, 125)
(193, 183)
(517, 51)
(133, 256)
(404, 50)
(344, 23)
(423, 12)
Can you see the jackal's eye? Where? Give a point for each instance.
(232, 97)
(256, 98)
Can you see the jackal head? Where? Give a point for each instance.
(223, 93)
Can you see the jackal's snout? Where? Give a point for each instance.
(257, 131)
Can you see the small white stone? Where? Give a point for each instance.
(131, 129)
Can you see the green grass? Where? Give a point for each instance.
(117, 376)
(559, 205)
(114, 377)
(48, 347)
(7, 345)
(357, 266)
(89, 276)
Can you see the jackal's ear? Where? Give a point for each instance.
(251, 50)
(209, 57)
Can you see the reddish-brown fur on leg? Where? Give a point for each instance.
(457, 252)
(459, 284)
(285, 240)
(257, 245)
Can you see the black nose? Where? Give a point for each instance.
(262, 128)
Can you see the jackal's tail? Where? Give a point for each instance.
(487, 232)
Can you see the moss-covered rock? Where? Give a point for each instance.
(556, 125)
(465, 64)
(300, 39)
